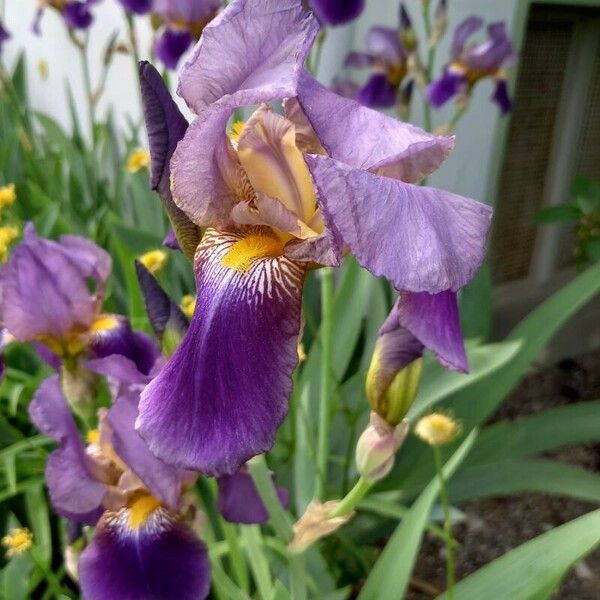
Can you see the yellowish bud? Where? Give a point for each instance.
(8, 195)
(154, 260)
(17, 541)
(139, 159)
(8, 234)
(188, 305)
(437, 429)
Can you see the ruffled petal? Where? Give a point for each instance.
(465, 30)
(378, 92)
(239, 500)
(161, 559)
(262, 43)
(421, 239)
(377, 142)
(74, 492)
(166, 127)
(224, 392)
(337, 12)
(165, 482)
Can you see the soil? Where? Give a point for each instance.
(496, 525)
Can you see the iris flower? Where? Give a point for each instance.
(337, 12)
(141, 546)
(77, 14)
(52, 295)
(469, 64)
(184, 22)
(139, 7)
(274, 198)
(387, 58)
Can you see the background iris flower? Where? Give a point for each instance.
(279, 196)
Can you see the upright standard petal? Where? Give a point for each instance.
(74, 492)
(165, 482)
(492, 54)
(251, 53)
(337, 12)
(139, 555)
(462, 33)
(421, 239)
(379, 142)
(166, 126)
(384, 43)
(239, 500)
(224, 392)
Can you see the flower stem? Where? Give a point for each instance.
(449, 538)
(53, 582)
(352, 498)
(326, 379)
(280, 521)
(238, 564)
(87, 84)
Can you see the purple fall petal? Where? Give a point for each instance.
(393, 148)
(337, 12)
(161, 560)
(166, 127)
(239, 501)
(74, 492)
(224, 392)
(421, 239)
(77, 15)
(4, 35)
(501, 97)
(378, 92)
(444, 88)
(251, 52)
(139, 7)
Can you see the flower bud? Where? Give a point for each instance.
(377, 447)
(408, 37)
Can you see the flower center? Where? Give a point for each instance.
(250, 248)
(141, 509)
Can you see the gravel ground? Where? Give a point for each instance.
(496, 525)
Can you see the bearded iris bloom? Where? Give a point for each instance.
(337, 12)
(184, 22)
(471, 63)
(77, 14)
(70, 276)
(276, 197)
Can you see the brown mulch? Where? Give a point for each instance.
(494, 526)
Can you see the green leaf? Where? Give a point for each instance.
(526, 475)
(573, 424)
(391, 574)
(562, 213)
(534, 569)
(585, 193)
(476, 305)
(39, 521)
(15, 578)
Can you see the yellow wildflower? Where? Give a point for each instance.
(8, 234)
(437, 429)
(8, 195)
(188, 305)
(138, 160)
(154, 260)
(17, 542)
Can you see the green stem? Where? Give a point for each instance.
(280, 521)
(458, 115)
(87, 84)
(238, 564)
(450, 543)
(352, 498)
(53, 582)
(258, 562)
(326, 379)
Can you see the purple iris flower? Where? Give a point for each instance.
(70, 275)
(4, 35)
(141, 547)
(184, 22)
(469, 64)
(76, 13)
(279, 195)
(337, 12)
(388, 60)
(139, 7)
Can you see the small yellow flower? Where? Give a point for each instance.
(17, 542)
(437, 429)
(188, 305)
(154, 260)
(8, 234)
(138, 160)
(42, 67)
(8, 195)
